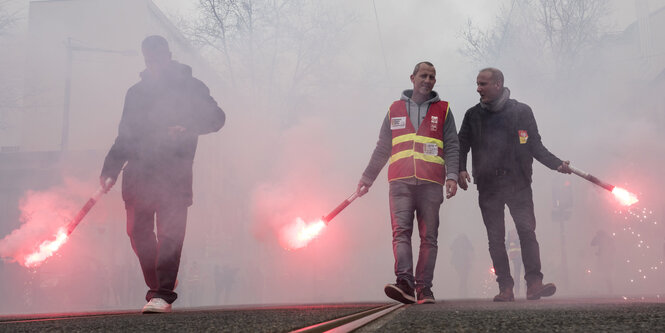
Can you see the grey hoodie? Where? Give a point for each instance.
(416, 114)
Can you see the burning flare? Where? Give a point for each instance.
(46, 249)
(624, 197)
(42, 232)
(298, 234)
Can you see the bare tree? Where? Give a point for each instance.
(551, 33)
(9, 95)
(7, 18)
(570, 27)
(279, 48)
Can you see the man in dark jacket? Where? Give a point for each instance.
(503, 138)
(162, 118)
(419, 138)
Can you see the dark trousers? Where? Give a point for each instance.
(423, 201)
(519, 200)
(159, 254)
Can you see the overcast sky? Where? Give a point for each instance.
(432, 29)
(622, 15)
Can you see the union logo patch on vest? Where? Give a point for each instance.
(397, 123)
(433, 122)
(523, 136)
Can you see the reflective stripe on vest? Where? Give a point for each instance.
(514, 250)
(417, 154)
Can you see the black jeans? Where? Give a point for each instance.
(519, 199)
(159, 254)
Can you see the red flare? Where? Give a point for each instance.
(298, 234)
(46, 249)
(624, 197)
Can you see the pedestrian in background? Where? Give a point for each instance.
(163, 116)
(606, 257)
(515, 257)
(461, 258)
(503, 138)
(419, 138)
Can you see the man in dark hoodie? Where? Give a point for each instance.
(162, 118)
(503, 138)
(419, 138)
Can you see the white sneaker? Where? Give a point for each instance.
(157, 305)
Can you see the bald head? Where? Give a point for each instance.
(489, 84)
(495, 75)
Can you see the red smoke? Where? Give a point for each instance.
(43, 214)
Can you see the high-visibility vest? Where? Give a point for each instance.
(420, 154)
(514, 248)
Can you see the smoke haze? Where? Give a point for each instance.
(42, 215)
(304, 103)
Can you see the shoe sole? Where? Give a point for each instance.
(504, 300)
(154, 310)
(398, 295)
(549, 290)
(426, 301)
(149, 311)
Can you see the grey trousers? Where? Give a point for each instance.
(424, 202)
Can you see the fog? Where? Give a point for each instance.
(305, 92)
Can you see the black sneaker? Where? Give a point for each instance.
(400, 291)
(426, 296)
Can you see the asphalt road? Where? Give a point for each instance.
(547, 315)
(245, 319)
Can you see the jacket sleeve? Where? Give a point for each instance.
(381, 153)
(464, 137)
(121, 149)
(207, 116)
(451, 147)
(535, 145)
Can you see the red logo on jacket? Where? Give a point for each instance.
(523, 136)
